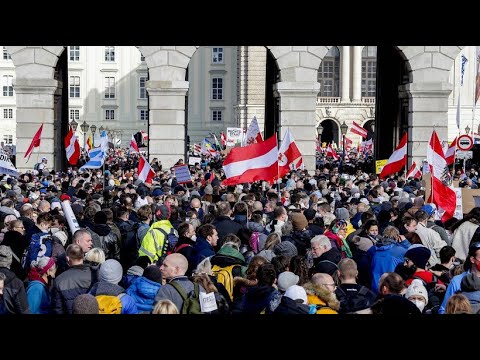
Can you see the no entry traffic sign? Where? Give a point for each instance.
(464, 142)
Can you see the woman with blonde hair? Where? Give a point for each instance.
(458, 304)
(165, 307)
(94, 257)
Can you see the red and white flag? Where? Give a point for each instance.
(450, 153)
(332, 153)
(397, 160)
(144, 135)
(223, 139)
(251, 163)
(197, 149)
(359, 130)
(348, 144)
(145, 171)
(443, 195)
(133, 145)
(253, 134)
(288, 154)
(72, 147)
(414, 172)
(35, 142)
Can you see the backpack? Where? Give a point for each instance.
(253, 242)
(40, 246)
(435, 298)
(109, 304)
(191, 302)
(171, 237)
(180, 247)
(36, 166)
(224, 276)
(354, 302)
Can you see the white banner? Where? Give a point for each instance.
(192, 160)
(6, 166)
(459, 208)
(234, 136)
(70, 216)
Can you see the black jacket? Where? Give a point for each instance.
(14, 294)
(289, 306)
(18, 243)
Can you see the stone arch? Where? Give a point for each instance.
(331, 130)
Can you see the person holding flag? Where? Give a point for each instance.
(35, 142)
(97, 155)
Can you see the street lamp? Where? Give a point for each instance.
(343, 130)
(74, 125)
(84, 128)
(467, 129)
(93, 128)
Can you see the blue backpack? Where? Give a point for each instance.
(170, 237)
(40, 245)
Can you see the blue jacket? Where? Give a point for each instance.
(38, 297)
(143, 292)
(453, 287)
(386, 255)
(202, 250)
(106, 288)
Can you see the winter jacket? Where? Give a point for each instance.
(143, 292)
(432, 240)
(255, 301)
(18, 244)
(168, 292)
(470, 287)
(188, 251)
(462, 237)
(225, 226)
(110, 242)
(326, 302)
(327, 262)
(14, 295)
(289, 306)
(38, 297)
(301, 240)
(440, 230)
(106, 288)
(227, 256)
(202, 250)
(453, 288)
(153, 241)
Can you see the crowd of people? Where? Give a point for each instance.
(336, 241)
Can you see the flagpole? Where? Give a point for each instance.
(278, 173)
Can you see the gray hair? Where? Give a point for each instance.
(321, 240)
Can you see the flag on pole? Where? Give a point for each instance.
(397, 160)
(197, 149)
(35, 142)
(253, 134)
(72, 147)
(288, 154)
(144, 136)
(450, 153)
(462, 71)
(89, 144)
(223, 139)
(145, 171)
(332, 153)
(208, 148)
(97, 155)
(359, 130)
(443, 195)
(251, 163)
(462, 67)
(217, 144)
(414, 172)
(133, 145)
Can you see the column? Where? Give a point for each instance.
(167, 121)
(35, 105)
(428, 110)
(357, 74)
(297, 112)
(345, 74)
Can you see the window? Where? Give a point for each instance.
(109, 114)
(109, 88)
(8, 139)
(74, 114)
(217, 115)
(8, 113)
(217, 89)
(217, 55)
(74, 53)
(329, 73)
(369, 71)
(110, 53)
(6, 55)
(7, 81)
(144, 115)
(143, 89)
(74, 86)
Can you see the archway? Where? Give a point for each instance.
(370, 127)
(331, 132)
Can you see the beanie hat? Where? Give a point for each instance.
(417, 288)
(296, 292)
(157, 192)
(342, 214)
(85, 304)
(299, 221)
(285, 248)
(135, 270)
(5, 256)
(309, 214)
(110, 271)
(287, 279)
(100, 218)
(153, 273)
(419, 255)
(162, 212)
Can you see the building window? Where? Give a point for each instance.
(144, 115)
(109, 114)
(109, 88)
(110, 53)
(217, 55)
(74, 114)
(369, 71)
(6, 55)
(217, 89)
(8, 113)
(329, 74)
(8, 139)
(7, 85)
(143, 89)
(217, 115)
(74, 53)
(74, 86)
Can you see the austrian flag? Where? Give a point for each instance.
(397, 160)
(72, 148)
(145, 171)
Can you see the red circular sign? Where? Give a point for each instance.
(464, 142)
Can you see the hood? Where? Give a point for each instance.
(162, 223)
(7, 210)
(470, 282)
(231, 252)
(105, 288)
(254, 226)
(323, 294)
(102, 229)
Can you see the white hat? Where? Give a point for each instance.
(417, 288)
(365, 201)
(286, 279)
(295, 292)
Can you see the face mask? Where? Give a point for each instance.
(420, 304)
(477, 264)
(194, 238)
(54, 230)
(373, 235)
